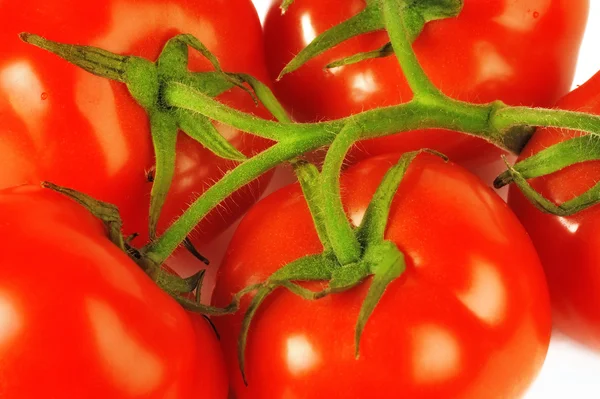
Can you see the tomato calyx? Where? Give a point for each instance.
(379, 259)
(414, 15)
(109, 215)
(583, 148)
(145, 80)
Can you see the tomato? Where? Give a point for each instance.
(64, 125)
(520, 51)
(469, 318)
(568, 246)
(212, 382)
(79, 319)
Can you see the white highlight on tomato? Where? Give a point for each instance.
(486, 296)
(492, 65)
(364, 84)
(10, 320)
(308, 30)
(571, 225)
(300, 355)
(522, 16)
(229, 133)
(96, 102)
(128, 364)
(24, 93)
(436, 354)
(357, 217)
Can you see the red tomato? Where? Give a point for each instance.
(62, 124)
(470, 317)
(568, 246)
(483, 55)
(79, 319)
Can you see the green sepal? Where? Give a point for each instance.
(385, 51)
(96, 61)
(347, 277)
(568, 208)
(258, 299)
(419, 12)
(189, 246)
(372, 228)
(415, 14)
(175, 285)
(211, 83)
(265, 96)
(366, 21)
(164, 137)
(310, 268)
(202, 130)
(387, 264)
(106, 212)
(374, 223)
(109, 215)
(285, 4)
(554, 158)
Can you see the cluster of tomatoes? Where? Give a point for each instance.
(469, 318)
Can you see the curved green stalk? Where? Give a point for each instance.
(396, 17)
(341, 235)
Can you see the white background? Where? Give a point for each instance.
(570, 371)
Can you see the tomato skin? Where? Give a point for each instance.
(62, 124)
(568, 246)
(212, 380)
(470, 317)
(483, 55)
(79, 319)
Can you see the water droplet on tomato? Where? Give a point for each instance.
(44, 95)
(536, 14)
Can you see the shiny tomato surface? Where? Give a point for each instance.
(522, 52)
(569, 247)
(79, 319)
(62, 124)
(469, 318)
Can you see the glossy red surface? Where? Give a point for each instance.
(470, 317)
(79, 319)
(65, 125)
(522, 52)
(568, 246)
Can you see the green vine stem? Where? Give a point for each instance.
(178, 90)
(341, 235)
(507, 127)
(401, 40)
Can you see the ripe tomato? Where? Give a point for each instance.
(64, 125)
(79, 319)
(568, 246)
(469, 318)
(483, 55)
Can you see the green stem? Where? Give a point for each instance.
(395, 19)
(159, 250)
(510, 117)
(442, 113)
(341, 235)
(181, 96)
(495, 122)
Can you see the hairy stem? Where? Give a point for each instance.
(401, 41)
